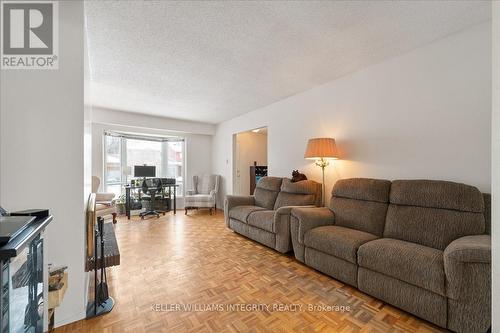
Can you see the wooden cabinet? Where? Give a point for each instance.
(256, 173)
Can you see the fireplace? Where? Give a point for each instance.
(22, 279)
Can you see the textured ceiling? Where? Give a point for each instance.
(212, 61)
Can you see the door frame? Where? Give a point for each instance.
(236, 158)
(236, 186)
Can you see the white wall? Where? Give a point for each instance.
(495, 228)
(425, 114)
(198, 148)
(252, 148)
(41, 135)
(87, 139)
(136, 120)
(87, 119)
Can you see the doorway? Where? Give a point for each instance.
(249, 160)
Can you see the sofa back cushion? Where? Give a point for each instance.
(266, 191)
(433, 213)
(361, 204)
(302, 193)
(203, 184)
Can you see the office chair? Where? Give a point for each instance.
(152, 191)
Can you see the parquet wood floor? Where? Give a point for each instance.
(194, 260)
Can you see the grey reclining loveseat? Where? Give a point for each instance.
(265, 216)
(421, 245)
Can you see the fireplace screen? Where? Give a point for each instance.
(25, 297)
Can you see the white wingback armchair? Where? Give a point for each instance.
(105, 205)
(203, 194)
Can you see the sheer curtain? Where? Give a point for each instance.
(123, 151)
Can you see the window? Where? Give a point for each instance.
(174, 167)
(113, 169)
(123, 151)
(140, 152)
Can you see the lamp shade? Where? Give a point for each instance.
(321, 148)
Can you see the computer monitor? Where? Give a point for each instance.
(144, 171)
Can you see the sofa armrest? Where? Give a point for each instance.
(282, 216)
(287, 210)
(281, 228)
(469, 249)
(104, 197)
(213, 195)
(467, 265)
(310, 218)
(234, 201)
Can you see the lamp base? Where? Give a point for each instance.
(323, 165)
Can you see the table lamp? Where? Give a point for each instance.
(322, 150)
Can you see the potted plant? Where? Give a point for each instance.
(120, 204)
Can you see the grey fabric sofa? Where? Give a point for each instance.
(420, 245)
(265, 216)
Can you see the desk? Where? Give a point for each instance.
(128, 202)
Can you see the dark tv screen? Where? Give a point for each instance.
(144, 171)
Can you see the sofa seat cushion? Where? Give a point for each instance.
(104, 209)
(338, 241)
(101, 206)
(241, 213)
(412, 263)
(198, 198)
(262, 219)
